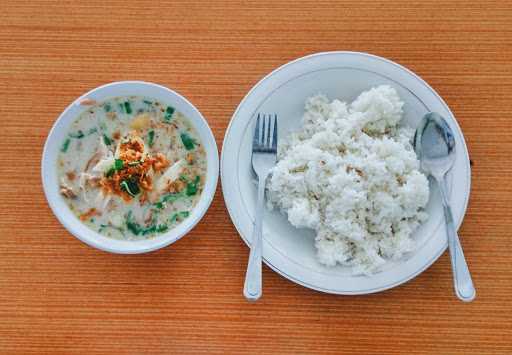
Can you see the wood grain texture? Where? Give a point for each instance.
(59, 296)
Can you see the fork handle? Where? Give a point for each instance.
(253, 282)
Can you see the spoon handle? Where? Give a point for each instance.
(461, 277)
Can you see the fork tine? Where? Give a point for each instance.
(269, 135)
(274, 133)
(256, 139)
(264, 131)
(270, 132)
(261, 128)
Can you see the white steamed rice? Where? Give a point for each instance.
(351, 174)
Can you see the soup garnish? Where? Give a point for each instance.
(131, 167)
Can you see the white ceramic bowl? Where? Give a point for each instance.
(58, 134)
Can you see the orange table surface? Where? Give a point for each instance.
(60, 296)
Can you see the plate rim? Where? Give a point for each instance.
(420, 81)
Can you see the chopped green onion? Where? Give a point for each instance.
(147, 102)
(118, 164)
(130, 186)
(171, 197)
(191, 190)
(151, 138)
(184, 214)
(79, 134)
(107, 107)
(161, 228)
(125, 187)
(155, 228)
(65, 145)
(187, 141)
(168, 114)
(192, 187)
(127, 107)
(92, 131)
(107, 140)
(151, 229)
(132, 226)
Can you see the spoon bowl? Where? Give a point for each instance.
(434, 144)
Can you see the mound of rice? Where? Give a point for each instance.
(351, 174)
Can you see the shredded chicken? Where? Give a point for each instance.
(143, 198)
(139, 215)
(67, 191)
(85, 180)
(102, 153)
(176, 186)
(103, 165)
(101, 201)
(149, 217)
(169, 176)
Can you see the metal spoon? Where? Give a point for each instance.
(434, 144)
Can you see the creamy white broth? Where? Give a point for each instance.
(131, 167)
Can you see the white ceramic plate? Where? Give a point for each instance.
(290, 251)
(59, 132)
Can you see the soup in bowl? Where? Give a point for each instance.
(130, 167)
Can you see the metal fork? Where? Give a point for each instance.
(264, 152)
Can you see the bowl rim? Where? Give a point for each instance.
(94, 239)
